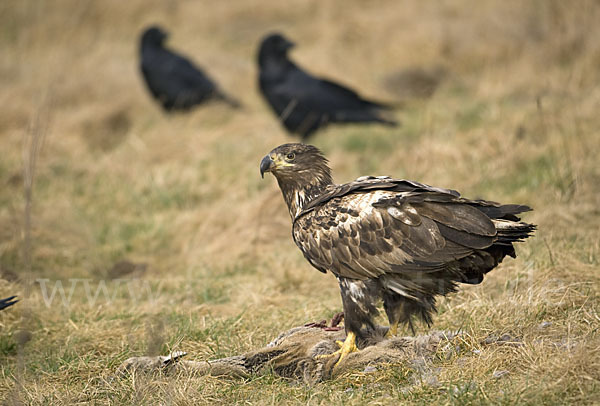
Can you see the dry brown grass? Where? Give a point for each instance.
(515, 120)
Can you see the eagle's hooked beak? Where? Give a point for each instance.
(266, 165)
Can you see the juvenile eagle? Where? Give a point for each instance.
(397, 240)
(305, 103)
(174, 81)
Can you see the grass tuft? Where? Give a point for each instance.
(93, 174)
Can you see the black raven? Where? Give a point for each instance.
(303, 102)
(9, 301)
(175, 82)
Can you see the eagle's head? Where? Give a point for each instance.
(301, 171)
(293, 161)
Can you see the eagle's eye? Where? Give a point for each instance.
(290, 156)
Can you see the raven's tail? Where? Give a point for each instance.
(232, 102)
(365, 116)
(387, 106)
(388, 122)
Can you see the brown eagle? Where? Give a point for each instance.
(397, 240)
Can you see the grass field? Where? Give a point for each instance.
(93, 173)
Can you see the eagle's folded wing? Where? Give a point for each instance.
(365, 235)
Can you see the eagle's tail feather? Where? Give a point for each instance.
(501, 212)
(512, 231)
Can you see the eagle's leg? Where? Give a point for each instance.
(401, 310)
(392, 303)
(359, 310)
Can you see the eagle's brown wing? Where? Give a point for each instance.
(378, 226)
(369, 183)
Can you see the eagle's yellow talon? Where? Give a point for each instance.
(346, 347)
(392, 331)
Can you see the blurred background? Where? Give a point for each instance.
(100, 187)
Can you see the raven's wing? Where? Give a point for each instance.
(173, 79)
(341, 92)
(189, 74)
(305, 102)
(317, 94)
(9, 301)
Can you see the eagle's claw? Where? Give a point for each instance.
(346, 347)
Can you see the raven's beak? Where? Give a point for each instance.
(161, 33)
(289, 44)
(266, 165)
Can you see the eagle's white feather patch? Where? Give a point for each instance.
(356, 292)
(506, 224)
(399, 289)
(412, 210)
(394, 212)
(356, 289)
